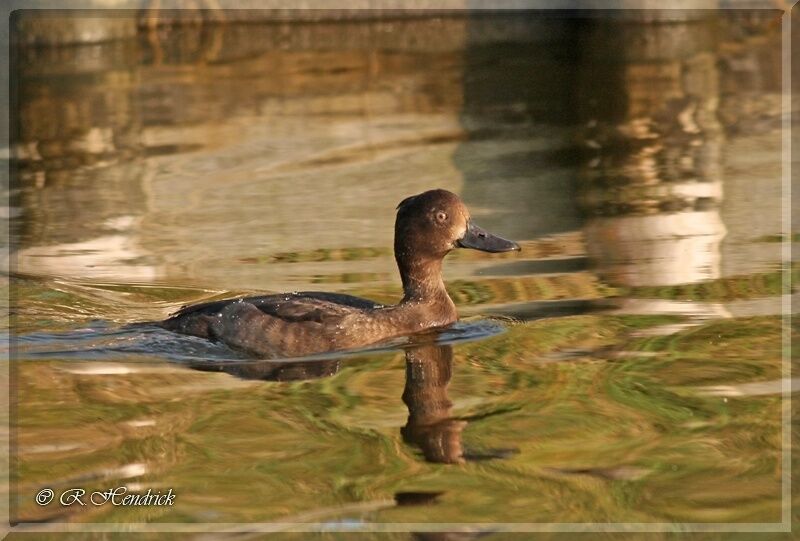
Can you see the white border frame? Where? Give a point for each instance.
(685, 527)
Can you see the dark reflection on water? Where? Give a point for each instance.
(653, 190)
(431, 425)
(519, 107)
(633, 376)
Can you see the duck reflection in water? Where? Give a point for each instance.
(431, 425)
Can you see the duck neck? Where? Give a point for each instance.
(422, 280)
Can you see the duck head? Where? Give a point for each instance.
(428, 226)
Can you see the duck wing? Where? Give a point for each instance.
(216, 318)
(299, 308)
(290, 302)
(285, 328)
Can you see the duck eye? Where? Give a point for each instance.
(441, 216)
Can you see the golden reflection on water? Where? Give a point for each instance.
(638, 376)
(590, 427)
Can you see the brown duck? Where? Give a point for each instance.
(427, 227)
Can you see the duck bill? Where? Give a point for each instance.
(478, 238)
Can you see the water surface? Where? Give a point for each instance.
(624, 367)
